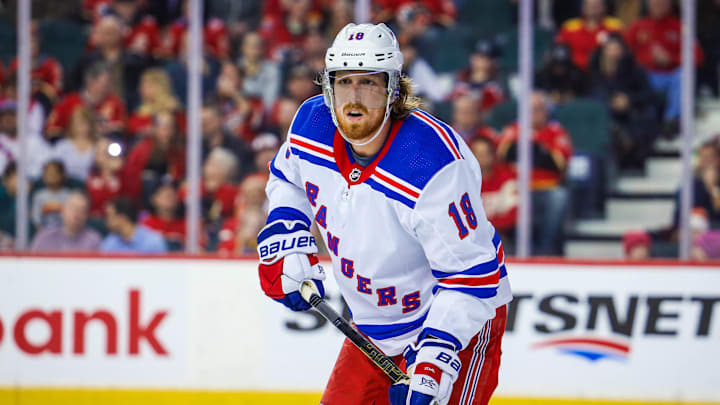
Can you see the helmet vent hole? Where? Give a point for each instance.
(360, 63)
(344, 63)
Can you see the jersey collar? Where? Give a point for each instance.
(352, 172)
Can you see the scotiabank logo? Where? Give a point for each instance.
(580, 325)
(56, 320)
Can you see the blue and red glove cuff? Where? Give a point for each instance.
(296, 302)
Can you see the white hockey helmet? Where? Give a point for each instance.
(364, 47)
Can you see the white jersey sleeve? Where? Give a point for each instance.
(285, 191)
(463, 250)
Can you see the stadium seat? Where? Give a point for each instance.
(445, 58)
(587, 122)
(64, 40)
(508, 41)
(486, 18)
(8, 39)
(503, 115)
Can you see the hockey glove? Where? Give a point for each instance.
(433, 366)
(287, 258)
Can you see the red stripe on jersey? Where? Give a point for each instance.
(500, 254)
(394, 183)
(311, 147)
(429, 370)
(472, 281)
(444, 133)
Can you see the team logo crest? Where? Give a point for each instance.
(355, 174)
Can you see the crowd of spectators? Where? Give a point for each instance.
(107, 130)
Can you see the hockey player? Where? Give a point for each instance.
(396, 195)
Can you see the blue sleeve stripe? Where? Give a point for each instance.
(496, 240)
(475, 292)
(289, 213)
(389, 193)
(314, 160)
(279, 229)
(478, 270)
(381, 332)
(439, 334)
(277, 172)
(503, 271)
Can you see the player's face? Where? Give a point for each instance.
(360, 100)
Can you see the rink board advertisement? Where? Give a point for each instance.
(575, 331)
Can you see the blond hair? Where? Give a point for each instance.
(405, 102)
(82, 113)
(164, 100)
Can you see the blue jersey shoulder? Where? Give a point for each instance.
(421, 148)
(313, 121)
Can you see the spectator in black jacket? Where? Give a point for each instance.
(125, 67)
(619, 82)
(559, 77)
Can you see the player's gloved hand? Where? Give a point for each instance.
(433, 366)
(287, 258)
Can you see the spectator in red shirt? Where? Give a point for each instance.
(217, 42)
(552, 150)
(656, 41)
(586, 33)
(96, 96)
(124, 66)
(442, 12)
(242, 114)
(46, 73)
(481, 77)
(156, 157)
(156, 96)
(285, 30)
(499, 187)
(104, 183)
(93, 9)
(468, 119)
(166, 216)
(142, 35)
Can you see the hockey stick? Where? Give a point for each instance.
(385, 363)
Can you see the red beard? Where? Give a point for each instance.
(358, 130)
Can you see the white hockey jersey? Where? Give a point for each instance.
(411, 248)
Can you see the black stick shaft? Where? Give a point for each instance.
(385, 363)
